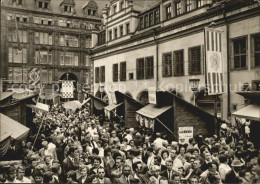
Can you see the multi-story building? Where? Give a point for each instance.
(163, 47)
(44, 41)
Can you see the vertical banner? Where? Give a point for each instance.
(185, 133)
(67, 89)
(214, 61)
(34, 76)
(152, 96)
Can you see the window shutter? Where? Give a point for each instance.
(202, 59)
(163, 65)
(145, 68)
(174, 59)
(231, 54)
(137, 76)
(189, 64)
(76, 60)
(252, 51)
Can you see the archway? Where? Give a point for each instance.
(143, 97)
(69, 76)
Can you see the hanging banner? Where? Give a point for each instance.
(152, 96)
(34, 76)
(185, 133)
(67, 89)
(214, 61)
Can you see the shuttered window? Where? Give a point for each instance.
(195, 60)
(97, 75)
(167, 64)
(140, 68)
(102, 71)
(115, 72)
(178, 63)
(123, 71)
(149, 67)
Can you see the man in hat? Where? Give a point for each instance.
(233, 175)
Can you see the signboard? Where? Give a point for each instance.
(214, 61)
(185, 133)
(152, 96)
(67, 89)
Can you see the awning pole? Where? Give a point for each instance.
(38, 131)
(164, 126)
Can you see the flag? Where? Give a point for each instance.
(214, 61)
(67, 89)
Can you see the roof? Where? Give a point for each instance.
(55, 6)
(251, 112)
(145, 5)
(111, 107)
(12, 127)
(5, 95)
(153, 111)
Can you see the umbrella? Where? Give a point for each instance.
(73, 105)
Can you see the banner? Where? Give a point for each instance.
(67, 89)
(152, 96)
(185, 133)
(34, 76)
(214, 61)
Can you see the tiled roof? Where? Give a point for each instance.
(145, 4)
(55, 5)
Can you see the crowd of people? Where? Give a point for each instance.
(81, 148)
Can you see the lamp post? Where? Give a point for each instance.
(101, 89)
(194, 85)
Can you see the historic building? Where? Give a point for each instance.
(161, 45)
(44, 41)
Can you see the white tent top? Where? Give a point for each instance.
(153, 111)
(251, 112)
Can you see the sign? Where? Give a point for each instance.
(152, 96)
(67, 89)
(113, 97)
(214, 61)
(185, 133)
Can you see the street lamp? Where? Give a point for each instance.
(101, 89)
(194, 85)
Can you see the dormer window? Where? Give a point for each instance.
(17, 2)
(90, 8)
(43, 4)
(68, 8)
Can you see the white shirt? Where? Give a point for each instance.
(159, 142)
(177, 163)
(24, 180)
(223, 170)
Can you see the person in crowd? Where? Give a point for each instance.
(20, 178)
(100, 178)
(11, 172)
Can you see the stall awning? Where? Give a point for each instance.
(5, 95)
(153, 111)
(251, 112)
(98, 103)
(112, 106)
(12, 127)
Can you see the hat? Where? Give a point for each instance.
(44, 143)
(237, 163)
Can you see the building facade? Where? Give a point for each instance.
(162, 47)
(44, 41)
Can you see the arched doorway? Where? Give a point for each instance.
(143, 97)
(70, 76)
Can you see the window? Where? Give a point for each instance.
(146, 21)
(168, 12)
(25, 18)
(12, 36)
(69, 58)
(121, 31)
(17, 55)
(17, 74)
(115, 33)
(87, 60)
(127, 28)
(149, 67)
(102, 72)
(195, 60)
(199, 3)
(256, 85)
(36, 20)
(167, 65)
(17, 2)
(68, 23)
(141, 22)
(178, 8)
(239, 46)
(121, 5)
(46, 75)
(131, 76)
(88, 41)
(49, 22)
(69, 40)
(68, 8)
(62, 23)
(110, 35)
(140, 68)
(46, 5)
(43, 57)
(257, 50)
(97, 75)
(188, 5)
(115, 9)
(178, 63)
(40, 4)
(115, 72)
(156, 16)
(10, 16)
(151, 19)
(76, 24)
(101, 38)
(43, 38)
(123, 71)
